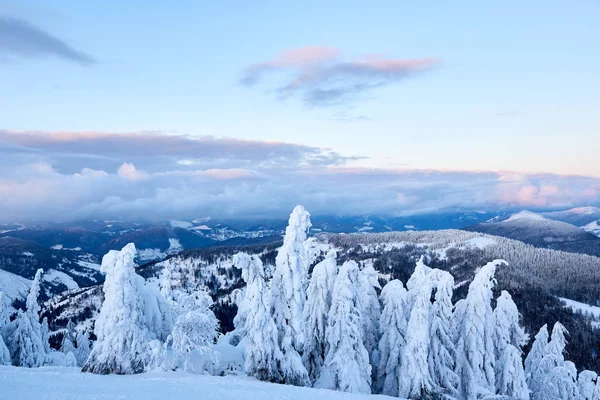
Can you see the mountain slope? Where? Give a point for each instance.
(576, 216)
(593, 228)
(540, 231)
(14, 286)
(64, 269)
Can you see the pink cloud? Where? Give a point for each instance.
(303, 57)
(322, 77)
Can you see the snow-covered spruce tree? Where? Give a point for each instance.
(507, 329)
(510, 376)
(415, 380)
(68, 341)
(122, 346)
(558, 340)
(5, 311)
(509, 338)
(346, 367)
(474, 336)
(4, 353)
(393, 324)
(83, 347)
(195, 329)
(441, 348)
(262, 351)
(371, 311)
(26, 347)
(537, 352)
(419, 275)
(288, 290)
(316, 310)
(45, 335)
(560, 383)
(552, 365)
(538, 377)
(587, 382)
(32, 305)
(26, 343)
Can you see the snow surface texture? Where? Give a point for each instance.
(54, 383)
(591, 311)
(57, 277)
(13, 285)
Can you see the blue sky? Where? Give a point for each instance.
(473, 87)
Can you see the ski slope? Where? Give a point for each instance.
(54, 383)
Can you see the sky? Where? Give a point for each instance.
(149, 109)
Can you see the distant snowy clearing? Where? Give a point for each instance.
(71, 384)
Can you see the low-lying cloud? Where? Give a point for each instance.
(62, 176)
(321, 77)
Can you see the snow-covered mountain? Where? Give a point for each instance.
(64, 268)
(98, 236)
(593, 228)
(13, 286)
(576, 216)
(539, 230)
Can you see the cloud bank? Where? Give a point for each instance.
(21, 39)
(321, 77)
(67, 175)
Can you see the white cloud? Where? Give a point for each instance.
(128, 171)
(252, 182)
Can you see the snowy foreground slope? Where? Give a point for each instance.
(70, 384)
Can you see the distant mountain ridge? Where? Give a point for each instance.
(542, 230)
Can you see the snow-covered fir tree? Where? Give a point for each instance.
(83, 347)
(316, 310)
(507, 328)
(509, 338)
(393, 324)
(4, 353)
(474, 336)
(5, 311)
(442, 349)
(558, 340)
(262, 353)
(26, 343)
(510, 376)
(552, 376)
(68, 341)
(560, 383)
(288, 290)
(537, 352)
(45, 335)
(346, 366)
(415, 380)
(122, 346)
(32, 306)
(371, 309)
(587, 385)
